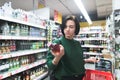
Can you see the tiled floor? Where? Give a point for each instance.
(87, 66)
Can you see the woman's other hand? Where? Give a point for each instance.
(92, 59)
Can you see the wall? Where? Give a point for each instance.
(95, 23)
(115, 4)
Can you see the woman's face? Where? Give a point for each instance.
(69, 30)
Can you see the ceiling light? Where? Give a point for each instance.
(82, 9)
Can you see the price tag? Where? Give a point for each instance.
(27, 67)
(16, 71)
(9, 74)
(28, 38)
(1, 57)
(1, 76)
(33, 65)
(43, 61)
(0, 37)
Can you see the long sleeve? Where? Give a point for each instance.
(49, 61)
(50, 57)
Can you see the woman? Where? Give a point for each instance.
(68, 64)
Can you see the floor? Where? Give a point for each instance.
(87, 66)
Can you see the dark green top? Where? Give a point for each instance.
(72, 63)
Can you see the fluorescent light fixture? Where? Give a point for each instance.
(82, 9)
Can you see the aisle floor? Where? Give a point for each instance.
(87, 66)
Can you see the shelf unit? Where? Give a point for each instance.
(21, 22)
(19, 53)
(22, 68)
(42, 76)
(117, 30)
(93, 42)
(116, 20)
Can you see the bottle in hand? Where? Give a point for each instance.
(54, 47)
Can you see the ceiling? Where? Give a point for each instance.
(97, 9)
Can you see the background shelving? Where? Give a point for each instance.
(116, 20)
(22, 45)
(93, 41)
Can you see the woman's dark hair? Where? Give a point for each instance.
(73, 18)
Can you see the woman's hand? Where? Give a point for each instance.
(58, 55)
(92, 59)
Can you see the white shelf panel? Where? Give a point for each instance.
(4, 75)
(97, 38)
(41, 76)
(94, 46)
(21, 22)
(92, 53)
(4, 56)
(36, 38)
(27, 52)
(21, 37)
(22, 53)
(92, 32)
(29, 66)
(22, 68)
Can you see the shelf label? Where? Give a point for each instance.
(9, 74)
(1, 57)
(1, 76)
(27, 67)
(0, 37)
(16, 71)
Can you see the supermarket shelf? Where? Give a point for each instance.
(21, 37)
(117, 18)
(22, 68)
(21, 22)
(22, 53)
(92, 32)
(92, 53)
(42, 76)
(94, 46)
(97, 38)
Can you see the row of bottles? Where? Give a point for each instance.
(7, 46)
(14, 63)
(117, 47)
(20, 15)
(116, 19)
(29, 74)
(93, 35)
(117, 32)
(94, 42)
(117, 63)
(14, 29)
(23, 45)
(95, 50)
